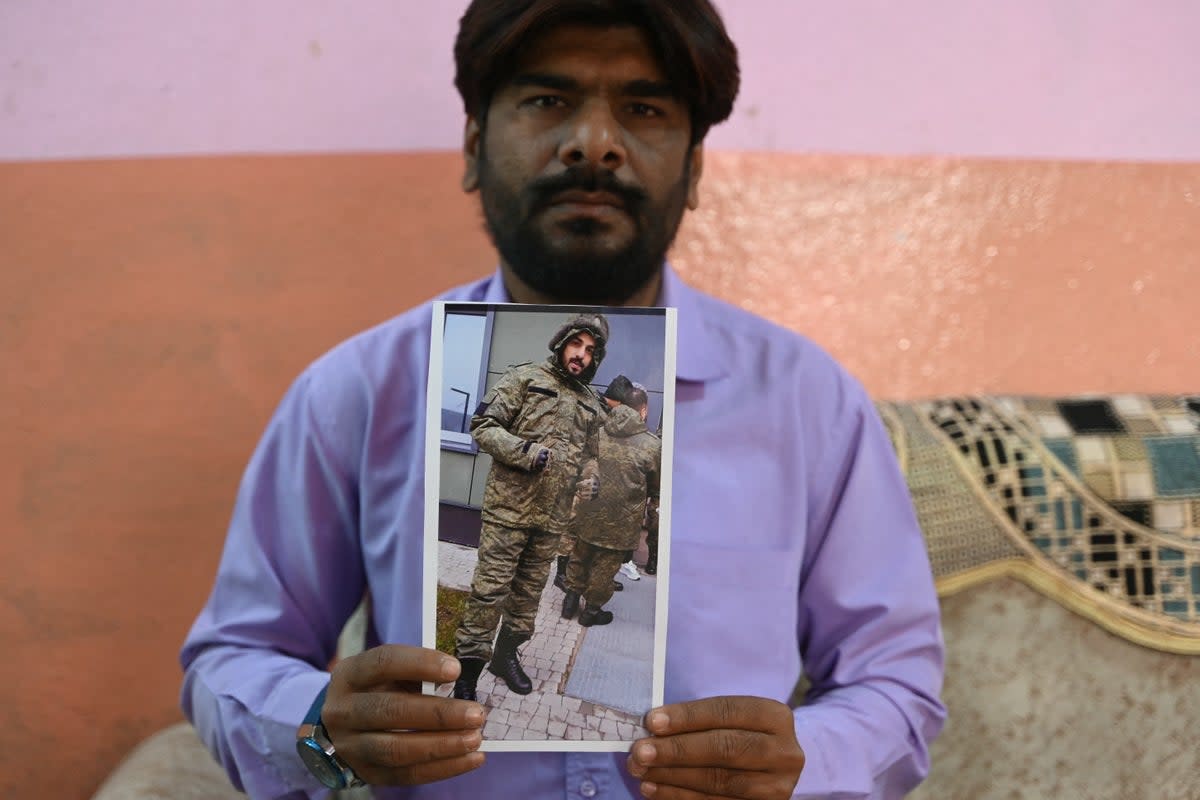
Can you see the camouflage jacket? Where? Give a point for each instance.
(630, 463)
(530, 407)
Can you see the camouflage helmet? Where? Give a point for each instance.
(594, 323)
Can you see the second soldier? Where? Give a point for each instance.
(609, 528)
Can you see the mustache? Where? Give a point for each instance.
(585, 178)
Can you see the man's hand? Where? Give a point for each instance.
(588, 488)
(541, 459)
(739, 747)
(387, 731)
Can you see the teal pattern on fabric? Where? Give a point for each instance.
(1176, 464)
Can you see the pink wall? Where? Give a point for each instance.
(1091, 79)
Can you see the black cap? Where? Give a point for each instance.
(618, 389)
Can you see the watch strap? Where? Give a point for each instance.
(314, 711)
(314, 739)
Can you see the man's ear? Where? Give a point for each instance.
(696, 159)
(472, 139)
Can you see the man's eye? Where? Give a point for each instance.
(645, 110)
(545, 101)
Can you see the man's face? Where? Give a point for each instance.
(577, 353)
(584, 165)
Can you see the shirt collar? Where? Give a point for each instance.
(698, 349)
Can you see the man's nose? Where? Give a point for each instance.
(594, 136)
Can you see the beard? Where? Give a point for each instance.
(581, 270)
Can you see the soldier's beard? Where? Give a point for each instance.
(582, 274)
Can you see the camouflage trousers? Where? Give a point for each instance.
(509, 578)
(591, 570)
(566, 543)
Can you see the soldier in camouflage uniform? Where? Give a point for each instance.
(619, 387)
(540, 423)
(608, 528)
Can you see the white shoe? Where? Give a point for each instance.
(630, 570)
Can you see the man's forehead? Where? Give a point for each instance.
(582, 52)
(584, 337)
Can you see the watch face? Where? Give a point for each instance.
(320, 764)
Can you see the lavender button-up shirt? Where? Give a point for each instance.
(794, 549)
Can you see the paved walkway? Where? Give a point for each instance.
(547, 713)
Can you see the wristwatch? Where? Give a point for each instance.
(316, 751)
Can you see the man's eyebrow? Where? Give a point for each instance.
(649, 88)
(545, 80)
(642, 87)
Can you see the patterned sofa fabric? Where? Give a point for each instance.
(1093, 500)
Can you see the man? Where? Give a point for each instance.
(794, 546)
(566, 544)
(606, 529)
(540, 424)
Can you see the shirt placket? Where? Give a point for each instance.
(588, 776)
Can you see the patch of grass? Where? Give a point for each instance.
(451, 603)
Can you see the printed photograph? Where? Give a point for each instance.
(546, 541)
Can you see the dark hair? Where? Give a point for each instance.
(688, 38)
(636, 398)
(619, 389)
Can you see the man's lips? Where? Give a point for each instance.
(578, 197)
(577, 204)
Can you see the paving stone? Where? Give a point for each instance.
(574, 733)
(539, 724)
(556, 730)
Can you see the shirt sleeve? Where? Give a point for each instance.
(869, 621)
(290, 576)
(492, 422)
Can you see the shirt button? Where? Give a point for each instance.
(587, 789)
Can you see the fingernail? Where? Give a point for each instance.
(449, 669)
(472, 740)
(475, 717)
(635, 769)
(648, 789)
(645, 753)
(658, 721)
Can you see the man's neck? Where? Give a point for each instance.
(520, 292)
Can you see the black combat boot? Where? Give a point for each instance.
(651, 567)
(464, 687)
(570, 605)
(560, 572)
(504, 663)
(594, 616)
